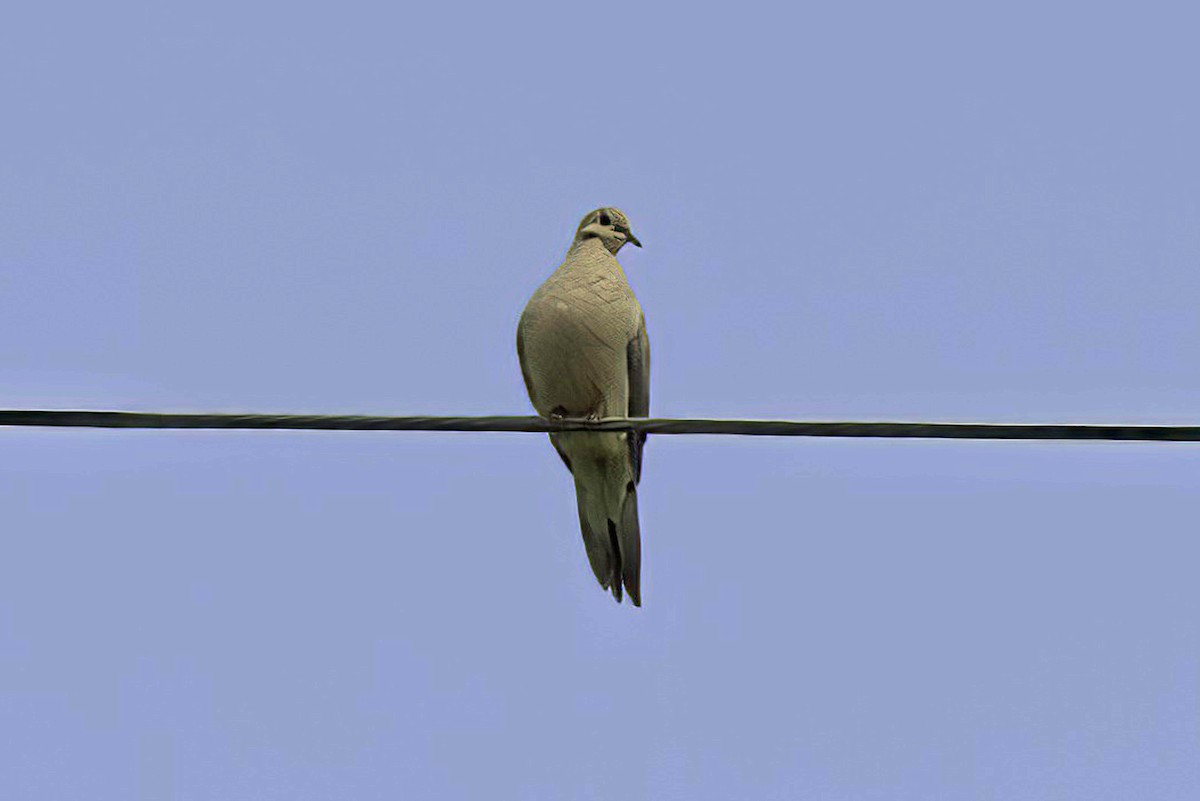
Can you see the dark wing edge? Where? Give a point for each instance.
(637, 360)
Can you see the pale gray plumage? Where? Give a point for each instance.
(584, 354)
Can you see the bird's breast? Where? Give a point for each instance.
(574, 336)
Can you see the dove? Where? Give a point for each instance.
(584, 354)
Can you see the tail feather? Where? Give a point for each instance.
(614, 550)
(613, 547)
(630, 540)
(596, 545)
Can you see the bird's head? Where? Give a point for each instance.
(609, 225)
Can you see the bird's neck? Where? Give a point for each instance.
(590, 246)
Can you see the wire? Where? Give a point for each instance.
(760, 428)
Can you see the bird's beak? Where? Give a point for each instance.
(631, 239)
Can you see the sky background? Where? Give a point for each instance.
(917, 212)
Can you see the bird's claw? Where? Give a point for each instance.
(558, 417)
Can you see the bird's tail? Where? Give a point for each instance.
(608, 517)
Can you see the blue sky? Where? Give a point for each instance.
(860, 212)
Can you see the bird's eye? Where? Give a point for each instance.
(605, 219)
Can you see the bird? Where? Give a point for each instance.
(584, 354)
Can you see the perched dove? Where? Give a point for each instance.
(584, 354)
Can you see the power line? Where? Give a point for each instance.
(760, 428)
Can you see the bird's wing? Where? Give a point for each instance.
(637, 360)
(529, 388)
(521, 358)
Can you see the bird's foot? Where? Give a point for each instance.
(559, 415)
